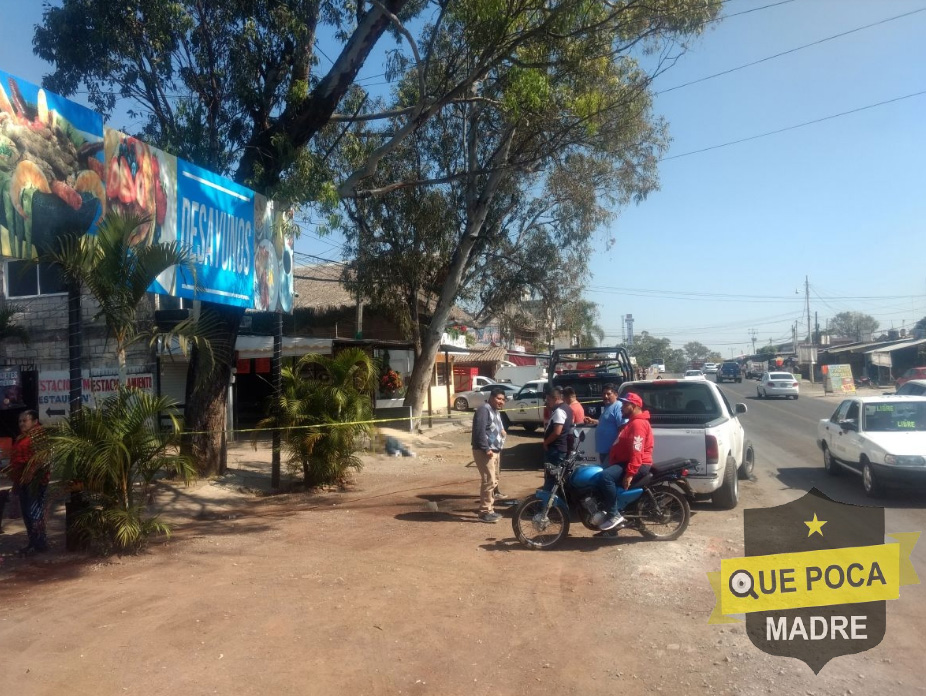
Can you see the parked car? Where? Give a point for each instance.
(729, 371)
(464, 401)
(912, 373)
(915, 387)
(694, 374)
(778, 384)
(709, 368)
(880, 438)
(526, 406)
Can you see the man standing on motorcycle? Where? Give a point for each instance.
(630, 458)
(558, 432)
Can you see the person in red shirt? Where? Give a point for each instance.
(631, 458)
(30, 481)
(578, 412)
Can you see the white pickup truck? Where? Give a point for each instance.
(694, 420)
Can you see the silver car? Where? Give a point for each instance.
(778, 384)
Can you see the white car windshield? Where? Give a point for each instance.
(895, 416)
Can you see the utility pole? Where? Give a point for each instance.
(752, 334)
(809, 336)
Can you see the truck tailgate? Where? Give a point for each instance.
(668, 443)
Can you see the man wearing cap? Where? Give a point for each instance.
(630, 458)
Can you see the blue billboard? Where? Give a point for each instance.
(215, 222)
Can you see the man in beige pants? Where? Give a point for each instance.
(488, 439)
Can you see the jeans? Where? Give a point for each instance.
(32, 504)
(610, 480)
(554, 458)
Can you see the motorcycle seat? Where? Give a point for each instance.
(670, 465)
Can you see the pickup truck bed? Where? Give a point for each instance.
(694, 420)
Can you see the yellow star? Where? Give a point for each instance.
(815, 526)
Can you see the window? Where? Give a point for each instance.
(25, 279)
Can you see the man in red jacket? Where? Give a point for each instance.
(630, 459)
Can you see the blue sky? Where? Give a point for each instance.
(724, 247)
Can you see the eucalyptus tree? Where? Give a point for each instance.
(235, 87)
(530, 124)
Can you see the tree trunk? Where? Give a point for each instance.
(477, 208)
(207, 391)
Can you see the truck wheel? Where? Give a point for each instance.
(749, 462)
(461, 404)
(506, 421)
(727, 496)
(530, 427)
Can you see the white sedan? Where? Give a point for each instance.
(694, 374)
(778, 384)
(880, 438)
(464, 401)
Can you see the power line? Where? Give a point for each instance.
(798, 125)
(789, 51)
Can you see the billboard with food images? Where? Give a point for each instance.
(51, 168)
(60, 172)
(142, 181)
(273, 258)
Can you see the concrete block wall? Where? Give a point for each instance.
(45, 318)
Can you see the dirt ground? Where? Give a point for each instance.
(393, 586)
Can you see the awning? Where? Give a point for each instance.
(897, 346)
(854, 347)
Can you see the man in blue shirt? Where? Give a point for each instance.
(608, 424)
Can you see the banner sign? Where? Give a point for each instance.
(837, 379)
(60, 171)
(55, 391)
(11, 389)
(50, 167)
(273, 259)
(215, 219)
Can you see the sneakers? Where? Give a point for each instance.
(489, 517)
(499, 495)
(612, 522)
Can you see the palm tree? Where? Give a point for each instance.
(324, 409)
(116, 274)
(116, 451)
(9, 329)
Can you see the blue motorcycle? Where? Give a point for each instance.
(656, 506)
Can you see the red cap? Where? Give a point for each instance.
(632, 399)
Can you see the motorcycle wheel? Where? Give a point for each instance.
(585, 519)
(535, 532)
(668, 524)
